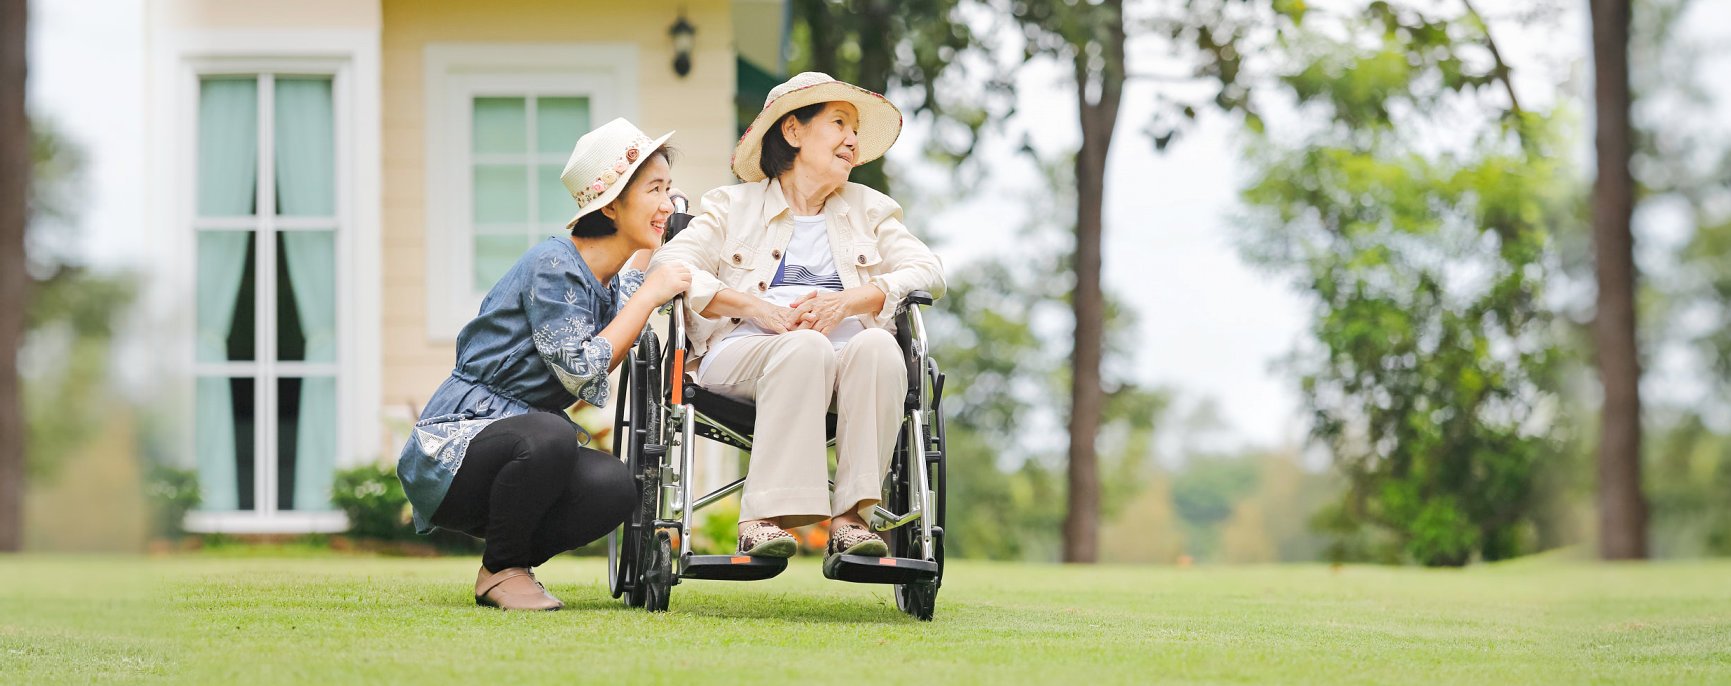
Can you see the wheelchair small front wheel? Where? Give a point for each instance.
(658, 578)
(919, 599)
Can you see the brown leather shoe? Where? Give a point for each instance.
(513, 589)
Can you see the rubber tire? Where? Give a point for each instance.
(658, 580)
(920, 600)
(627, 554)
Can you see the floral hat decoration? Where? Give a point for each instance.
(602, 161)
(880, 121)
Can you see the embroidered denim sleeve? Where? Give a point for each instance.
(629, 281)
(563, 318)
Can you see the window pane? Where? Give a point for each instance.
(494, 255)
(306, 296)
(500, 194)
(224, 427)
(227, 146)
(556, 203)
(306, 442)
(501, 126)
(559, 122)
(305, 147)
(225, 296)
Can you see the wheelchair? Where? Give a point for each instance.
(659, 414)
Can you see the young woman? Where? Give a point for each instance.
(494, 454)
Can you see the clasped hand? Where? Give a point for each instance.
(819, 311)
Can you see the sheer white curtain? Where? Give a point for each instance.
(227, 174)
(305, 172)
(312, 271)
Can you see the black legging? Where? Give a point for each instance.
(530, 490)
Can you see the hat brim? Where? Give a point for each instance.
(612, 192)
(880, 124)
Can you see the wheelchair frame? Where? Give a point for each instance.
(651, 424)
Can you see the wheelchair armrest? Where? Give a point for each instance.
(914, 298)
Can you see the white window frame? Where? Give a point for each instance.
(605, 73)
(351, 59)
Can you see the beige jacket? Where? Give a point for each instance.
(737, 236)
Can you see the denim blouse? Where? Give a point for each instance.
(532, 348)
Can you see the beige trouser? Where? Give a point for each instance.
(792, 378)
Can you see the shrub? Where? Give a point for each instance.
(373, 499)
(172, 492)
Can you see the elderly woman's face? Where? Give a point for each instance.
(829, 143)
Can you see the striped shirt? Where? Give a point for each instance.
(808, 264)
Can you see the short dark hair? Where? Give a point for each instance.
(777, 156)
(597, 224)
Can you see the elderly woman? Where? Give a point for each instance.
(494, 454)
(795, 279)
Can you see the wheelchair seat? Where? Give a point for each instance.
(737, 416)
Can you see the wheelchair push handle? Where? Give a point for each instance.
(681, 217)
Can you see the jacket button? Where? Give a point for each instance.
(862, 259)
(736, 320)
(762, 286)
(737, 259)
(775, 254)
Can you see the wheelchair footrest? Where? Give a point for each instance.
(731, 567)
(860, 569)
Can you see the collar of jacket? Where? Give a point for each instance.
(775, 202)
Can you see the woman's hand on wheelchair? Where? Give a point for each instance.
(665, 281)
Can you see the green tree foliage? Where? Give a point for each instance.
(71, 316)
(1418, 215)
(925, 48)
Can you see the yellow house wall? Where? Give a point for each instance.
(253, 14)
(699, 107)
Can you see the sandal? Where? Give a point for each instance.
(762, 539)
(854, 539)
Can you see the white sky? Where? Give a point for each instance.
(1211, 326)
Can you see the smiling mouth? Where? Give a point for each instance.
(659, 227)
(846, 157)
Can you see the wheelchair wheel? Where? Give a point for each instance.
(658, 575)
(637, 439)
(920, 599)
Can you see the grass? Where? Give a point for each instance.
(328, 619)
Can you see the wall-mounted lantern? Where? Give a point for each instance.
(684, 35)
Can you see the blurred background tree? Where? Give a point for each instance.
(72, 313)
(995, 337)
(1435, 359)
(15, 163)
(1682, 168)
(1441, 227)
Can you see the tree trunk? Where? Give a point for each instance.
(1099, 116)
(15, 171)
(877, 45)
(1622, 508)
(824, 35)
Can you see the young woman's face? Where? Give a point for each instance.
(829, 143)
(642, 209)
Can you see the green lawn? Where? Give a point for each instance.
(340, 620)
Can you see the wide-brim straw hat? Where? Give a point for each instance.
(603, 161)
(880, 122)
